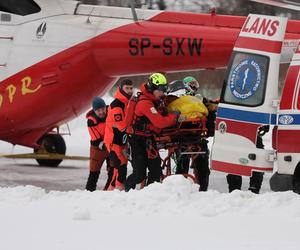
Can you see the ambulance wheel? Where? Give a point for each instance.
(296, 179)
(281, 182)
(51, 143)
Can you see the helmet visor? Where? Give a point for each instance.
(162, 87)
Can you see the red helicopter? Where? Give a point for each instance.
(55, 56)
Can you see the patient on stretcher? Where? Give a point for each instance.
(190, 106)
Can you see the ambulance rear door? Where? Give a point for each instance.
(287, 139)
(248, 99)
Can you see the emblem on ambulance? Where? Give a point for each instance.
(41, 30)
(222, 127)
(286, 119)
(245, 79)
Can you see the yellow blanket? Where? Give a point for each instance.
(190, 106)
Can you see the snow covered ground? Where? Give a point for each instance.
(172, 215)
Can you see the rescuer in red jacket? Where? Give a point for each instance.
(148, 119)
(115, 133)
(98, 153)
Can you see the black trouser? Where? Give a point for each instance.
(94, 176)
(120, 166)
(183, 163)
(141, 162)
(200, 166)
(110, 173)
(235, 182)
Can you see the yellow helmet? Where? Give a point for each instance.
(157, 81)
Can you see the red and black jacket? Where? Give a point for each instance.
(148, 116)
(115, 130)
(96, 127)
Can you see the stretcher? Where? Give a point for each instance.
(184, 139)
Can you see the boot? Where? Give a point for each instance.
(110, 174)
(119, 185)
(203, 182)
(130, 182)
(234, 182)
(92, 181)
(112, 184)
(255, 182)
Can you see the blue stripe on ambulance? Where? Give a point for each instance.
(246, 116)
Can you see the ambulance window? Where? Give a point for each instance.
(245, 82)
(19, 7)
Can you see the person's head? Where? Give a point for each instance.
(157, 85)
(99, 107)
(192, 85)
(126, 88)
(177, 88)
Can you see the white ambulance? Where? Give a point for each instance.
(250, 102)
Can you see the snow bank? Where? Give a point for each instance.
(172, 215)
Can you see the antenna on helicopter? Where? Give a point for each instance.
(88, 19)
(133, 11)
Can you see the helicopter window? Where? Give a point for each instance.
(19, 7)
(245, 82)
